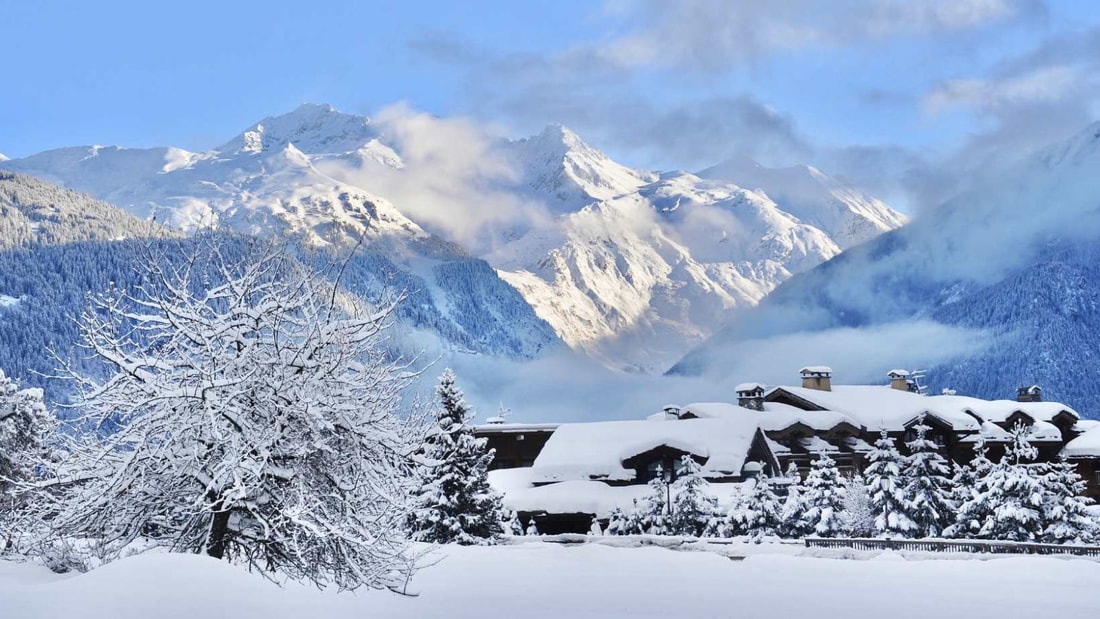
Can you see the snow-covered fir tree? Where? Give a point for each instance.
(618, 523)
(970, 495)
(254, 419)
(790, 515)
(823, 500)
(455, 503)
(1015, 493)
(512, 524)
(927, 498)
(25, 427)
(858, 518)
(761, 509)
(735, 521)
(653, 516)
(1066, 518)
(532, 528)
(694, 510)
(886, 487)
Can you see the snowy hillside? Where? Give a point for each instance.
(35, 212)
(1010, 264)
(630, 266)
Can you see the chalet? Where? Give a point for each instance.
(563, 475)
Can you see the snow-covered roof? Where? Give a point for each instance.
(990, 433)
(596, 450)
(509, 428)
(775, 416)
(1000, 410)
(816, 369)
(743, 387)
(580, 496)
(1085, 446)
(817, 445)
(878, 407)
(1084, 425)
(898, 373)
(857, 444)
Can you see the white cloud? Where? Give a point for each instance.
(1042, 85)
(455, 179)
(722, 34)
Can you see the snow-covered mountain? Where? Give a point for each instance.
(1006, 275)
(642, 266)
(559, 168)
(262, 183)
(850, 216)
(631, 266)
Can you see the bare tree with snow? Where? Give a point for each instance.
(253, 417)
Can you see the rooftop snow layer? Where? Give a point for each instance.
(879, 407)
(578, 451)
(580, 497)
(776, 415)
(1085, 446)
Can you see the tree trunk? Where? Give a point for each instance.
(219, 531)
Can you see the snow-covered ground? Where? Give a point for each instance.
(589, 580)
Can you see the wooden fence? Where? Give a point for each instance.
(940, 545)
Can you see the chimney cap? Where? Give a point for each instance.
(1032, 390)
(749, 388)
(816, 370)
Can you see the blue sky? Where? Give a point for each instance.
(891, 93)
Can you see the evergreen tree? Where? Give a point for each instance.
(762, 510)
(1015, 494)
(693, 509)
(927, 492)
(654, 518)
(455, 503)
(512, 524)
(1066, 519)
(823, 500)
(858, 517)
(793, 505)
(617, 523)
(735, 522)
(886, 486)
(532, 528)
(25, 426)
(971, 495)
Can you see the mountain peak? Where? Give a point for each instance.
(4, 157)
(312, 128)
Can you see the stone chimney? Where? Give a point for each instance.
(1034, 393)
(818, 377)
(750, 396)
(899, 379)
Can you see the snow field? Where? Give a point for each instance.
(583, 581)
